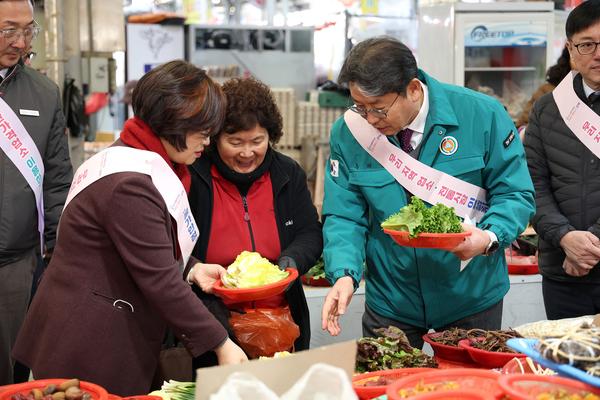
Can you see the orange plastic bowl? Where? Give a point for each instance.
(489, 359)
(470, 379)
(390, 375)
(97, 392)
(257, 293)
(447, 352)
(443, 241)
(460, 394)
(529, 386)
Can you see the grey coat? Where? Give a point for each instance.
(25, 88)
(566, 176)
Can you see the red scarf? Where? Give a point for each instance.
(136, 133)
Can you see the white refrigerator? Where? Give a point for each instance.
(502, 49)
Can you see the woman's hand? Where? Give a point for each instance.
(205, 275)
(230, 353)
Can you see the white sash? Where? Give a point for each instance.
(429, 184)
(126, 159)
(580, 118)
(24, 154)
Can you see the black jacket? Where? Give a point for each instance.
(297, 223)
(566, 176)
(26, 89)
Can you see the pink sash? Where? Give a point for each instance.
(580, 118)
(429, 184)
(126, 159)
(22, 151)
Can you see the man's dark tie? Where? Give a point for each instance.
(594, 97)
(404, 137)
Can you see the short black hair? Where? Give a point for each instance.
(582, 17)
(378, 66)
(177, 98)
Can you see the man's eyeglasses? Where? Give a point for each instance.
(586, 48)
(12, 34)
(380, 113)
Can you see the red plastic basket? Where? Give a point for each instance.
(522, 265)
(322, 282)
(471, 379)
(97, 392)
(489, 359)
(443, 241)
(368, 392)
(258, 293)
(446, 352)
(529, 386)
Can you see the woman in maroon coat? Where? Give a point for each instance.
(115, 281)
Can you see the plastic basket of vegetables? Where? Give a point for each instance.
(70, 389)
(316, 275)
(417, 225)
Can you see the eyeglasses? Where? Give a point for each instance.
(12, 34)
(586, 48)
(380, 113)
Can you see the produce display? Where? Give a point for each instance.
(317, 271)
(250, 270)
(67, 390)
(417, 218)
(422, 387)
(494, 340)
(579, 348)
(390, 350)
(481, 339)
(175, 390)
(561, 394)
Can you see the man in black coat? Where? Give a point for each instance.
(566, 175)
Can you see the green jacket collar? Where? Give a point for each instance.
(440, 109)
(440, 116)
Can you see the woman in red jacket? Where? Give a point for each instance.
(118, 274)
(251, 197)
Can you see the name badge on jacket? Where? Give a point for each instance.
(29, 113)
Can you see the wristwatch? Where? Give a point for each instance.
(493, 245)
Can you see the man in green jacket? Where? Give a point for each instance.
(463, 133)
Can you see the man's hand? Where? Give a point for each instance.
(573, 269)
(582, 248)
(335, 305)
(205, 275)
(473, 245)
(230, 353)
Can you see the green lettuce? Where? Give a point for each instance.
(416, 218)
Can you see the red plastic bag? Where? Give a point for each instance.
(265, 331)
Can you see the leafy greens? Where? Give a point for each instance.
(416, 217)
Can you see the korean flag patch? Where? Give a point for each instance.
(509, 139)
(334, 168)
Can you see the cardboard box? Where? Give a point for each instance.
(279, 374)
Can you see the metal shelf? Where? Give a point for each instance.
(499, 69)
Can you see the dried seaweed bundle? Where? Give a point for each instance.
(580, 348)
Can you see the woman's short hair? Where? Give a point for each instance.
(178, 98)
(250, 102)
(379, 66)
